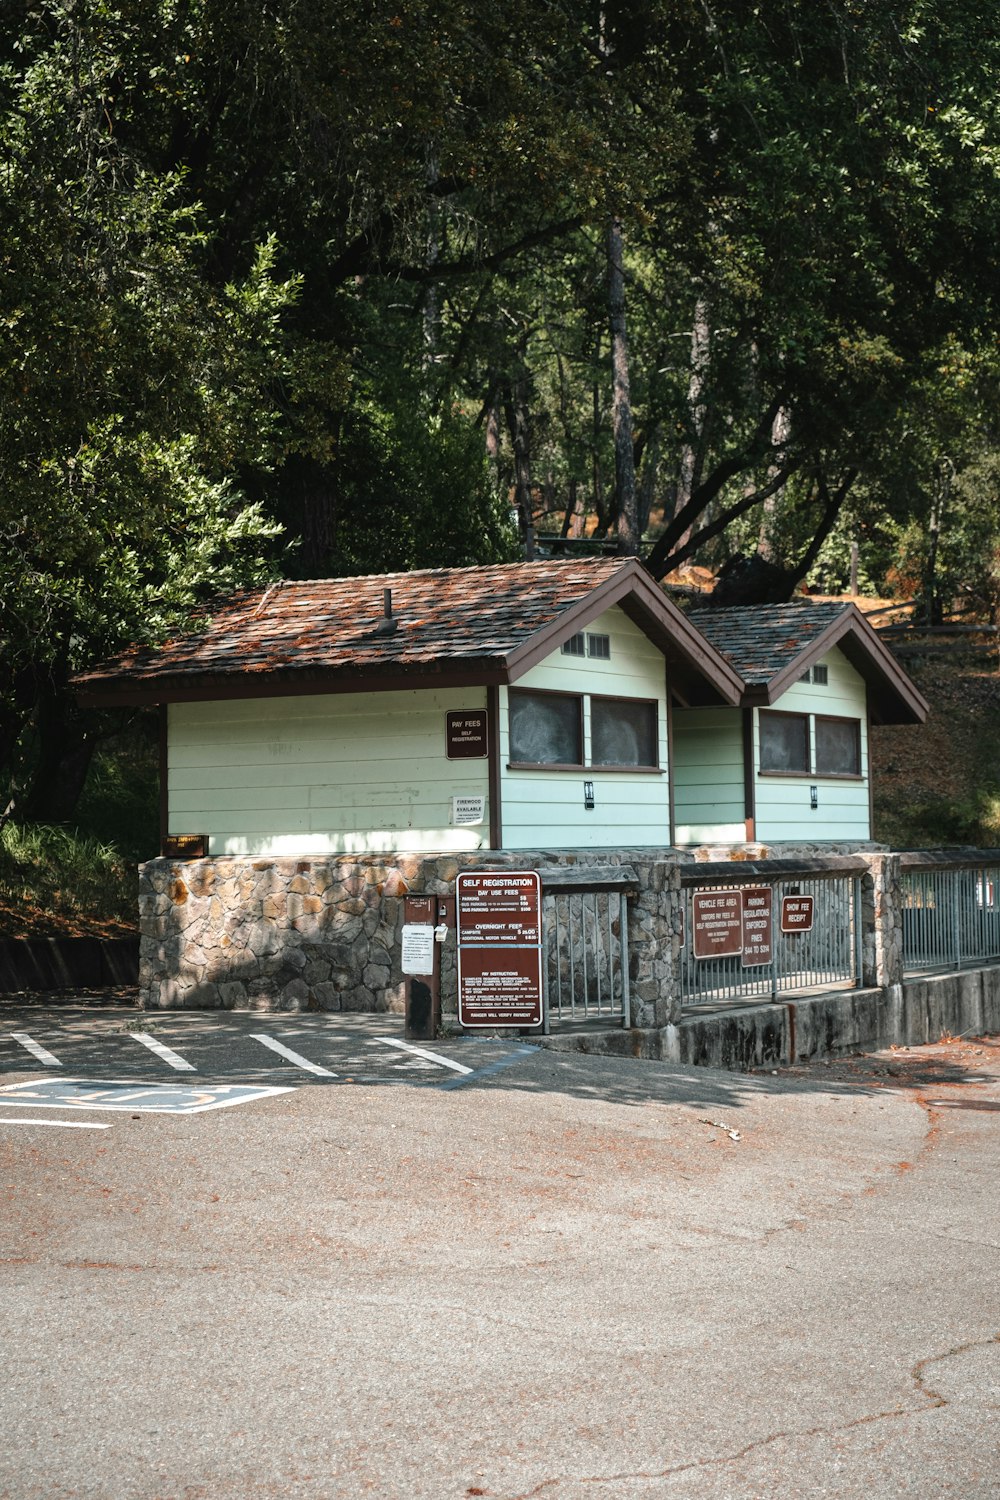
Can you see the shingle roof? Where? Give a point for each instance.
(761, 640)
(483, 621)
(771, 645)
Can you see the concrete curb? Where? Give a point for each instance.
(807, 1026)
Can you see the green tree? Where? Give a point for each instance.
(131, 391)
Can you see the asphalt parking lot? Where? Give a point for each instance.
(560, 1277)
(118, 1042)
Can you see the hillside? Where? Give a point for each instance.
(939, 783)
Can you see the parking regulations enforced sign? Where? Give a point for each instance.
(498, 914)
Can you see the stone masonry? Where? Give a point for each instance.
(324, 933)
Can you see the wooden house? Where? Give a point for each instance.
(791, 763)
(523, 706)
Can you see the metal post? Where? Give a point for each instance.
(623, 948)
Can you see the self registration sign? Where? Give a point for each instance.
(499, 948)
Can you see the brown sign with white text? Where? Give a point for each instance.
(796, 913)
(499, 948)
(717, 923)
(758, 926)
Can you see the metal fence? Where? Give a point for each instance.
(820, 951)
(585, 936)
(951, 917)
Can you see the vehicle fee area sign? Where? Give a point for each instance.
(499, 948)
(717, 923)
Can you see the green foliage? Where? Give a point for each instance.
(280, 266)
(62, 879)
(120, 802)
(415, 493)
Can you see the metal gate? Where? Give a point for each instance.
(585, 945)
(825, 957)
(951, 917)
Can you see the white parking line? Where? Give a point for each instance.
(292, 1057)
(62, 1124)
(166, 1053)
(446, 1062)
(36, 1049)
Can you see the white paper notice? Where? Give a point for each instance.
(418, 949)
(467, 810)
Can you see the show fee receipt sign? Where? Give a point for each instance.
(499, 948)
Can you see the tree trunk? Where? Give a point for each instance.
(431, 313)
(781, 431)
(649, 472)
(621, 402)
(602, 520)
(516, 409)
(572, 525)
(692, 455)
(933, 611)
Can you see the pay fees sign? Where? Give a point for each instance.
(734, 924)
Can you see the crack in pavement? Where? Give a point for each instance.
(933, 1400)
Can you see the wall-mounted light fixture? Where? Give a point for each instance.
(588, 795)
(814, 796)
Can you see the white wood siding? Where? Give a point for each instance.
(544, 809)
(708, 776)
(332, 774)
(783, 811)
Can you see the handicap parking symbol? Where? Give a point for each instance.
(149, 1098)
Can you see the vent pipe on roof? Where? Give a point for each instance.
(387, 625)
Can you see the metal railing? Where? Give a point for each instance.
(951, 915)
(585, 945)
(822, 951)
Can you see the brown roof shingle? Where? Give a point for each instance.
(771, 645)
(481, 622)
(762, 639)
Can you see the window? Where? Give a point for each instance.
(622, 732)
(546, 729)
(838, 747)
(784, 742)
(784, 745)
(597, 646)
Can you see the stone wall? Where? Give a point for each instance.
(324, 933)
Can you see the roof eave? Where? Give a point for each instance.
(893, 697)
(301, 682)
(644, 603)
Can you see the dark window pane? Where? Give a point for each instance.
(838, 747)
(622, 732)
(784, 742)
(545, 729)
